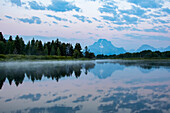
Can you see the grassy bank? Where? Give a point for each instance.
(33, 57)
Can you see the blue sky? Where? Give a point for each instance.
(126, 23)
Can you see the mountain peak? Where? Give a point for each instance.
(103, 46)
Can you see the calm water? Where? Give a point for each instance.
(101, 86)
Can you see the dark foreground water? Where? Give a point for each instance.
(102, 86)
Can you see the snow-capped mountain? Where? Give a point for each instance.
(102, 46)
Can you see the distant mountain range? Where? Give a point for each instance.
(103, 46)
(148, 47)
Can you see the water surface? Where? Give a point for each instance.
(100, 86)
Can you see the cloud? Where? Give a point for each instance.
(148, 37)
(55, 22)
(16, 2)
(109, 8)
(96, 19)
(147, 3)
(134, 11)
(159, 29)
(62, 6)
(100, 26)
(109, 18)
(130, 20)
(82, 99)
(34, 5)
(9, 17)
(65, 26)
(57, 18)
(167, 10)
(82, 18)
(121, 28)
(31, 97)
(33, 20)
(57, 99)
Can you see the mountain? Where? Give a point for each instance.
(146, 47)
(102, 46)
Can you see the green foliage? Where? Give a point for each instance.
(35, 47)
(52, 51)
(146, 54)
(76, 54)
(58, 52)
(2, 47)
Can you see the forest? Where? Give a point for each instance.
(146, 54)
(36, 47)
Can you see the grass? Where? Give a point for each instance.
(12, 57)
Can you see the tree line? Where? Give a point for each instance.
(36, 47)
(142, 54)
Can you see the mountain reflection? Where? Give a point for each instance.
(55, 70)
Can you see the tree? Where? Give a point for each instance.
(9, 46)
(28, 48)
(78, 48)
(45, 50)
(17, 45)
(76, 54)
(40, 48)
(2, 38)
(2, 47)
(58, 52)
(22, 46)
(52, 51)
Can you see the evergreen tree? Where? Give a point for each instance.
(40, 48)
(63, 49)
(2, 47)
(33, 47)
(28, 48)
(58, 52)
(76, 54)
(78, 48)
(22, 46)
(17, 45)
(9, 46)
(45, 50)
(2, 38)
(52, 51)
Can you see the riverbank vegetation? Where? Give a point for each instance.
(35, 49)
(146, 54)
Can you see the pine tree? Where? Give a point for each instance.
(52, 51)
(17, 45)
(58, 52)
(28, 48)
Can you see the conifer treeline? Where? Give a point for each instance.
(35, 47)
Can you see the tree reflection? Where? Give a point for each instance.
(37, 72)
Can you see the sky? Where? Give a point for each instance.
(126, 23)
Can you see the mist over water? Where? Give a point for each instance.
(98, 86)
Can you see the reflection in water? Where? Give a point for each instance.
(104, 86)
(35, 71)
